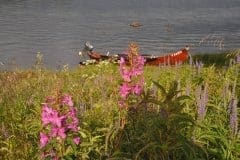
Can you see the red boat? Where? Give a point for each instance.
(168, 59)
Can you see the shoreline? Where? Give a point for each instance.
(207, 58)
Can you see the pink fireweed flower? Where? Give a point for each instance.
(138, 64)
(58, 123)
(125, 90)
(76, 140)
(43, 139)
(131, 74)
(122, 61)
(125, 73)
(47, 114)
(67, 100)
(72, 112)
(72, 120)
(51, 116)
(73, 126)
(135, 70)
(137, 89)
(58, 132)
(58, 120)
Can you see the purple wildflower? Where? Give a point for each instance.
(190, 60)
(199, 66)
(202, 99)
(233, 116)
(238, 58)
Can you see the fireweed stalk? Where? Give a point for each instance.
(132, 75)
(133, 81)
(59, 126)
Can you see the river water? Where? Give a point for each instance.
(59, 28)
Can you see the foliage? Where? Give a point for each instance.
(166, 125)
(218, 59)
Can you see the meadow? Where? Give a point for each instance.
(185, 112)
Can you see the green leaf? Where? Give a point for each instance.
(67, 157)
(183, 97)
(83, 135)
(69, 150)
(160, 87)
(154, 101)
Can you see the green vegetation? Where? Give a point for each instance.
(219, 59)
(166, 123)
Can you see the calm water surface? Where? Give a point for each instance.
(59, 28)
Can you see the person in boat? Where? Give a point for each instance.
(87, 53)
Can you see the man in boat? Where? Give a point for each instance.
(90, 56)
(87, 54)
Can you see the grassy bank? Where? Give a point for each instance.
(164, 125)
(220, 59)
(217, 59)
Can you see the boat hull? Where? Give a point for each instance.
(169, 59)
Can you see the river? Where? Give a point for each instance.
(59, 28)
